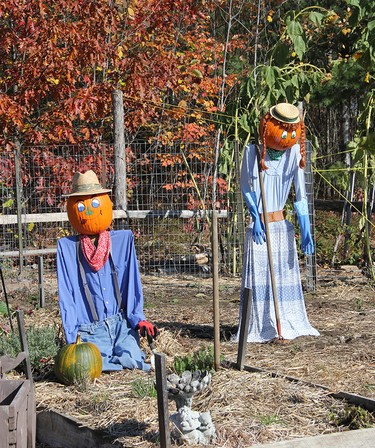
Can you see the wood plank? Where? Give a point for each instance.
(58, 430)
(7, 363)
(4, 427)
(117, 214)
(357, 400)
(24, 346)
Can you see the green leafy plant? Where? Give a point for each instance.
(42, 343)
(202, 359)
(353, 417)
(143, 388)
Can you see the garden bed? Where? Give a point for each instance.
(246, 407)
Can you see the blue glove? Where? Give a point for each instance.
(307, 243)
(259, 235)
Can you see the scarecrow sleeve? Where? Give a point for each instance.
(66, 302)
(129, 276)
(248, 179)
(300, 205)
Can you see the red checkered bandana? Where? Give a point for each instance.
(96, 256)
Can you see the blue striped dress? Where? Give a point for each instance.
(278, 179)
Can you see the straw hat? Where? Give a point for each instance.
(86, 184)
(285, 112)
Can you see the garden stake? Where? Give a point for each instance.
(268, 242)
(162, 399)
(6, 299)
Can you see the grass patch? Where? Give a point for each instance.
(143, 388)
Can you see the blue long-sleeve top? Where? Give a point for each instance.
(72, 300)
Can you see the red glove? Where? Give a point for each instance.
(147, 328)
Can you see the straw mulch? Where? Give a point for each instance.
(247, 408)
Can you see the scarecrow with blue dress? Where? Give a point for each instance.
(280, 162)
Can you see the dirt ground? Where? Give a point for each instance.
(246, 407)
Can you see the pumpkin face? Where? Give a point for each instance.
(280, 136)
(78, 362)
(90, 215)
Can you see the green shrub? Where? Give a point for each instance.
(327, 229)
(43, 345)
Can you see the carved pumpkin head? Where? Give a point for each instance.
(89, 206)
(280, 129)
(90, 215)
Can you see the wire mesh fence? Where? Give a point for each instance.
(169, 202)
(168, 189)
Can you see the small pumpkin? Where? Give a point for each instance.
(78, 362)
(278, 135)
(90, 215)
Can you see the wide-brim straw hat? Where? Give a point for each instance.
(84, 184)
(285, 112)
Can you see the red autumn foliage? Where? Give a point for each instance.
(61, 61)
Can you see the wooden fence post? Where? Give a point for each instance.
(244, 330)
(119, 148)
(215, 284)
(163, 413)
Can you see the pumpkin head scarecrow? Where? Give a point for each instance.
(280, 162)
(280, 129)
(100, 291)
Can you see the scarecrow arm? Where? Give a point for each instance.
(250, 197)
(301, 207)
(259, 235)
(307, 244)
(148, 329)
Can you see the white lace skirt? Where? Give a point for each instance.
(256, 276)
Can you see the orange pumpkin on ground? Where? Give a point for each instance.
(90, 215)
(78, 362)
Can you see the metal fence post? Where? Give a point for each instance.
(41, 282)
(17, 165)
(310, 259)
(239, 206)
